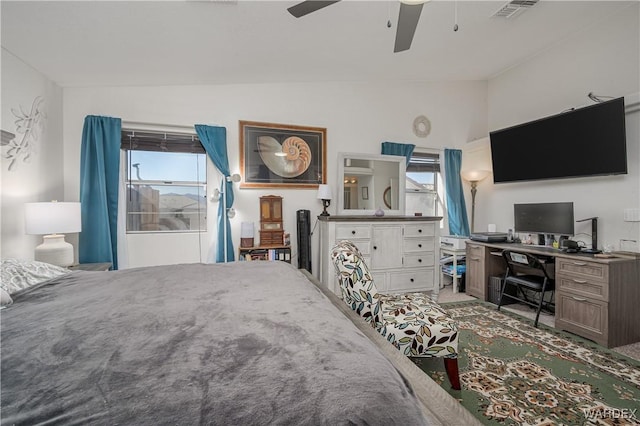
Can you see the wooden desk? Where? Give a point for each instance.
(595, 298)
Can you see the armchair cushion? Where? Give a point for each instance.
(418, 326)
(356, 283)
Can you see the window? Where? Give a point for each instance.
(423, 183)
(166, 182)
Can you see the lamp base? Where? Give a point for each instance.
(325, 204)
(55, 251)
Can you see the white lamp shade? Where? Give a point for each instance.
(52, 218)
(474, 175)
(246, 230)
(324, 192)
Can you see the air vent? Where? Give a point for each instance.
(514, 8)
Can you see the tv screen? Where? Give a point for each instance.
(588, 141)
(544, 218)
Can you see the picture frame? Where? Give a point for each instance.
(282, 155)
(365, 192)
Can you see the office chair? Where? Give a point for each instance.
(526, 272)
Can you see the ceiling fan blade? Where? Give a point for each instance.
(309, 6)
(407, 23)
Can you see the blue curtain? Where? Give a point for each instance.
(393, 148)
(214, 141)
(99, 183)
(456, 207)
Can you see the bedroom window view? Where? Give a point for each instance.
(166, 188)
(423, 174)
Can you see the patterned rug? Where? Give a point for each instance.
(515, 374)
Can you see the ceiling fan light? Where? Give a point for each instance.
(414, 1)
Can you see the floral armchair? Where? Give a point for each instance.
(413, 323)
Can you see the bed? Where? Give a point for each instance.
(238, 343)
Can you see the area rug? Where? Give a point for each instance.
(515, 374)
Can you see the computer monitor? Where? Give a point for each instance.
(544, 218)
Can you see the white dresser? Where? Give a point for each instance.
(401, 251)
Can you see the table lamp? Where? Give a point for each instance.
(324, 194)
(53, 220)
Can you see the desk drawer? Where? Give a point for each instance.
(419, 229)
(582, 316)
(578, 267)
(349, 232)
(422, 259)
(580, 286)
(418, 244)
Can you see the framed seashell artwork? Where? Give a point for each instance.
(282, 155)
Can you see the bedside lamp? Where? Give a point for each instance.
(473, 177)
(53, 220)
(324, 194)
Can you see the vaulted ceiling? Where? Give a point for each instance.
(104, 43)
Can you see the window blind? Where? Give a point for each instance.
(137, 140)
(424, 162)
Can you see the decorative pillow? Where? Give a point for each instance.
(16, 275)
(5, 299)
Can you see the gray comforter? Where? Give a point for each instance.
(241, 343)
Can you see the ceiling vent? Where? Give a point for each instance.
(514, 8)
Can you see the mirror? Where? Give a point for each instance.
(367, 182)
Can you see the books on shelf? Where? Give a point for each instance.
(265, 253)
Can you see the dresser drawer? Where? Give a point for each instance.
(583, 316)
(418, 244)
(421, 259)
(419, 229)
(418, 280)
(362, 245)
(582, 287)
(584, 268)
(349, 232)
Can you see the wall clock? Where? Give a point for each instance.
(421, 126)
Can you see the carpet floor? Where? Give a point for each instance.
(515, 374)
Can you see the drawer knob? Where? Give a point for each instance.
(375, 247)
(411, 280)
(419, 260)
(579, 281)
(353, 232)
(419, 230)
(579, 299)
(420, 245)
(579, 263)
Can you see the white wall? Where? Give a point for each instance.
(358, 117)
(39, 178)
(604, 60)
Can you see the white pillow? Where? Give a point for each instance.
(16, 275)
(5, 299)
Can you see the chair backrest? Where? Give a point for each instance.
(356, 283)
(517, 260)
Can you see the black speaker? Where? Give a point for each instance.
(304, 239)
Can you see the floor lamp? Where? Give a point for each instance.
(473, 177)
(227, 213)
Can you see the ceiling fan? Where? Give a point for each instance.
(407, 19)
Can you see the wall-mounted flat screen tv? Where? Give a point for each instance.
(589, 141)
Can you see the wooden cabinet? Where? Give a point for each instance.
(271, 230)
(597, 299)
(400, 251)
